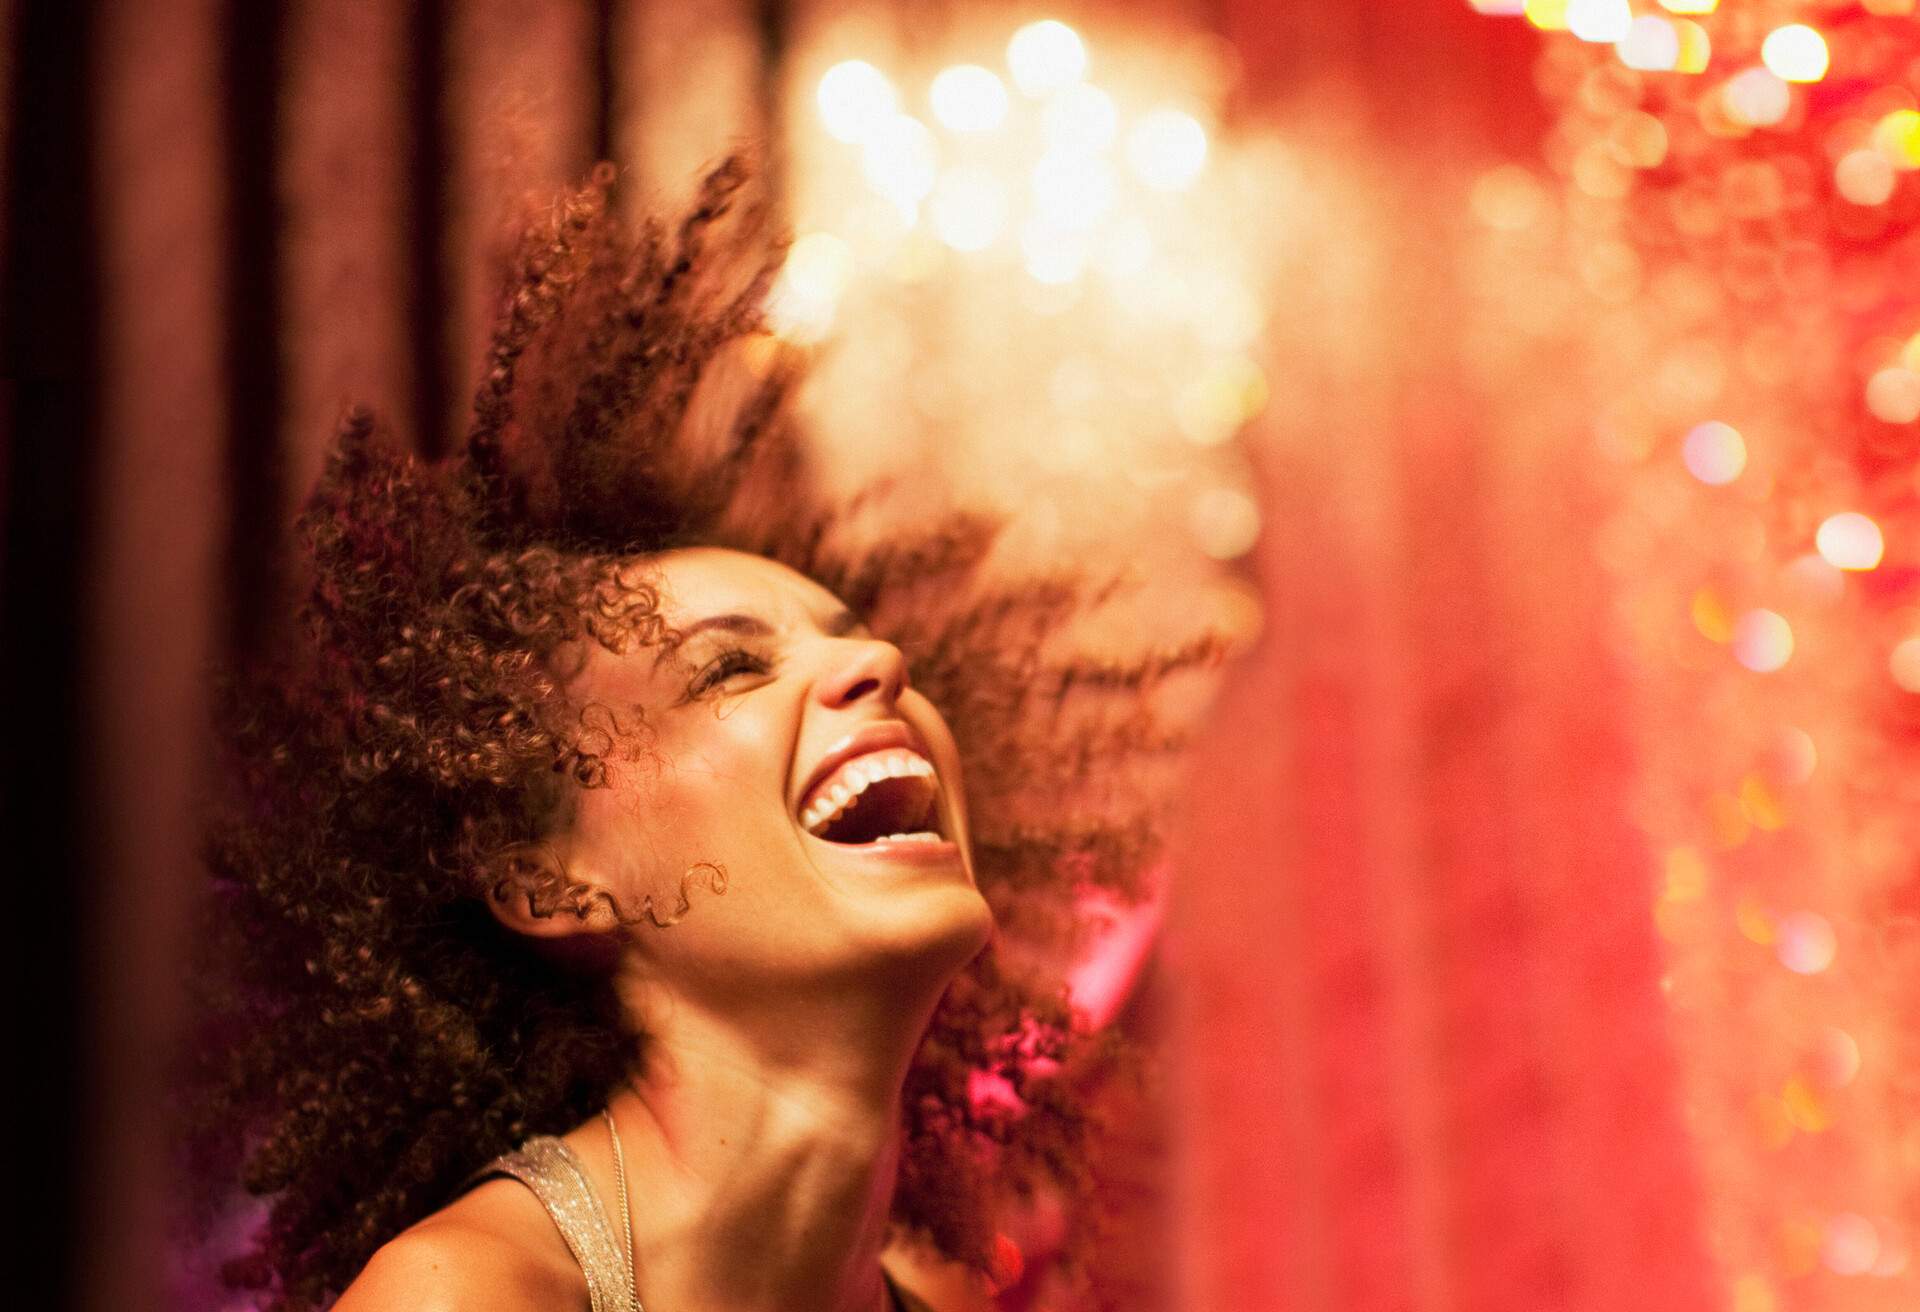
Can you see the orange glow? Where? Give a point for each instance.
(1710, 617)
(1806, 1112)
(1759, 805)
(1686, 873)
(1754, 924)
(1690, 6)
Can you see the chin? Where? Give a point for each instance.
(932, 939)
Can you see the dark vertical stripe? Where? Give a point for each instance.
(428, 307)
(773, 24)
(255, 463)
(606, 24)
(52, 357)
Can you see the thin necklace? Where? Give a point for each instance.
(626, 1217)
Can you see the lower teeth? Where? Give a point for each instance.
(923, 836)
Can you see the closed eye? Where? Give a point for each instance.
(731, 663)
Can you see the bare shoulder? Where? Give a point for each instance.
(492, 1250)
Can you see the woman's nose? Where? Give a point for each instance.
(866, 667)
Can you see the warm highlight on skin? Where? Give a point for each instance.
(371, 1033)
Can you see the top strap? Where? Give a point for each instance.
(551, 1169)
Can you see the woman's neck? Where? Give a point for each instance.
(761, 1155)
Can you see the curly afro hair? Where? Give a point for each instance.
(369, 1035)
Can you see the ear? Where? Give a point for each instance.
(530, 891)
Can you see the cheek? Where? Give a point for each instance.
(724, 772)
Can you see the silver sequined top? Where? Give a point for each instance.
(553, 1171)
(548, 1167)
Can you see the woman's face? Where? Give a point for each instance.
(778, 743)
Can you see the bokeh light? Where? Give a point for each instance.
(1757, 97)
(1547, 15)
(1835, 1058)
(1599, 20)
(969, 207)
(1053, 254)
(968, 98)
(1690, 6)
(1127, 250)
(1046, 56)
(1897, 136)
(1080, 118)
(807, 293)
(1865, 177)
(1696, 47)
(1804, 942)
(1851, 1245)
(854, 99)
(1714, 452)
(1792, 755)
(1903, 663)
(1226, 522)
(1850, 540)
(1167, 149)
(1893, 395)
(1762, 640)
(1651, 43)
(1795, 53)
(1072, 190)
(901, 159)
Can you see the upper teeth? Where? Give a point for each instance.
(843, 787)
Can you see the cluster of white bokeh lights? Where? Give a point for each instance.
(1046, 163)
(1048, 261)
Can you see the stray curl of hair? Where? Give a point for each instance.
(372, 1036)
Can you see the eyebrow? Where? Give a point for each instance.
(836, 625)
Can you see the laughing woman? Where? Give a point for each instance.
(605, 891)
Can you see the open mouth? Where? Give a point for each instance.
(889, 795)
